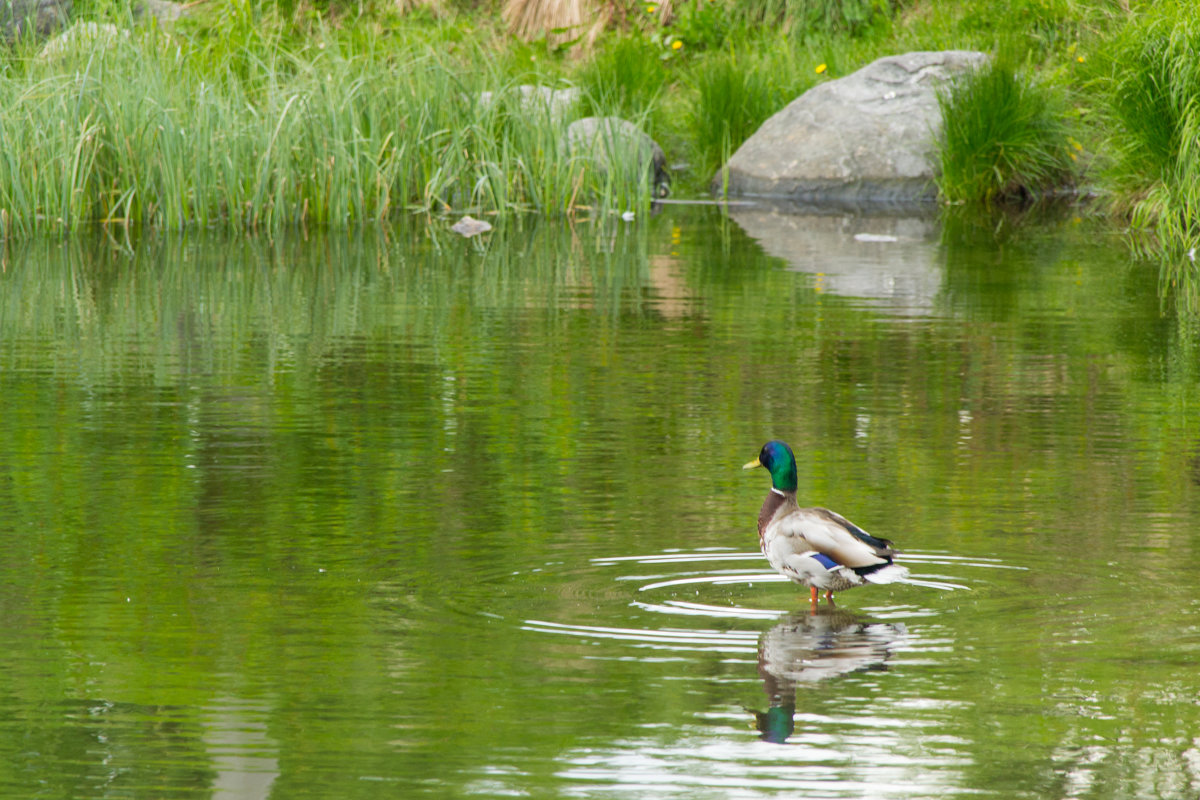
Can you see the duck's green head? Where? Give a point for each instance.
(778, 459)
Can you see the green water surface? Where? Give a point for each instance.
(399, 514)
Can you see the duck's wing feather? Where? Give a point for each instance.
(826, 532)
(883, 547)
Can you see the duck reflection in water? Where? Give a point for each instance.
(811, 646)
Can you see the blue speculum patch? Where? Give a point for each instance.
(825, 560)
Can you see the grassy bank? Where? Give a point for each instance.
(258, 130)
(260, 116)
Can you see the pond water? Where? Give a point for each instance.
(399, 514)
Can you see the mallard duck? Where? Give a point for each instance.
(814, 546)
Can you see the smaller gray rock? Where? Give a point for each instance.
(608, 139)
(43, 17)
(557, 103)
(469, 226)
(88, 36)
(163, 11)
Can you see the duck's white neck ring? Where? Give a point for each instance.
(776, 491)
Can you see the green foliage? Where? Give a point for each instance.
(1038, 25)
(704, 25)
(1151, 89)
(1003, 137)
(626, 76)
(1032, 31)
(807, 17)
(1171, 206)
(337, 130)
(734, 96)
(1149, 95)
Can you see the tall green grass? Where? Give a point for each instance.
(734, 95)
(265, 115)
(1150, 101)
(1004, 137)
(170, 131)
(1151, 89)
(626, 77)
(808, 17)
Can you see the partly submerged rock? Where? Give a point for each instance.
(469, 226)
(608, 141)
(863, 139)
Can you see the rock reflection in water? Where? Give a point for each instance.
(806, 647)
(891, 262)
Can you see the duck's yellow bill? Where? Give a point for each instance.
(752, 464)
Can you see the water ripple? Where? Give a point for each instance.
(719, 577)
(810, 645)
(705, 610)
(665, 638)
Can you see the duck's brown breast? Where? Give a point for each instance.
(766, 514)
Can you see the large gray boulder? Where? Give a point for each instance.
(867, 138)
(609, 141)
(22, 17)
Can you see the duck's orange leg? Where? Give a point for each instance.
(815, 596)
(829, 597)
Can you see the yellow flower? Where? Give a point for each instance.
(820, 68)
(650, 9)
(675, 45)
(1080, 59)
